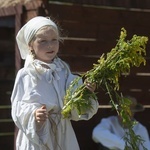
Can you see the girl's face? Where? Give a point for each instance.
(45, 44)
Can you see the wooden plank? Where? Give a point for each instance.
(135, 82)
(6, 87)
(135, 86)
(7, 72)
(5, 100)
(142, 69)
(33, 5)
(84, 63)
(18, 20)
(79, 29)
(6, 84)
(98, 14)
(29, 15)
(79, 64)
(140, 94)
(11, 10)
(7, 11)
(145, 4)
(6, 127)
(102, 30)
(142, 97)
(86, 47)
(7, 142)
(5, 114)
(5, 31)
(7, 46)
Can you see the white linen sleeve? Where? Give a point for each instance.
(91, 112)
(23, 106)
(142, 131)
(102, 134)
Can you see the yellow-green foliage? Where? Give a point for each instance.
(106, 73)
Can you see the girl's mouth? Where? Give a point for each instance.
(50, 52)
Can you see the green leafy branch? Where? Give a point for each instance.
(105, 74)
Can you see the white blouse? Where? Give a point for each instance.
(110, 133)
(34, 86)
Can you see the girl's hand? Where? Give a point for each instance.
(41, 114)
(90, 86)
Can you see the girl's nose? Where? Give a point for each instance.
(52, 43)
(49, 45)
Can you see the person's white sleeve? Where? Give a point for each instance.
(102, 134)
(142, 131)
(23, 108)
(89, 113)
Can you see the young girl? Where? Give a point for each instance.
(40, 86)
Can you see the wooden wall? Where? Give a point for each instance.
(88, 32)
(144, 4)
(7, 74)
(92, 31)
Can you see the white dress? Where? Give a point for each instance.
(110, 134)
(34, 87)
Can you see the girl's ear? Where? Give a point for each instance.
(30, 47)
(32, 53)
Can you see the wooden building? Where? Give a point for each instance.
(90, 29)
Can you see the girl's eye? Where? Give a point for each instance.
(42, 41)
(55, 40)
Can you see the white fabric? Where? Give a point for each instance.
(27, 32)
(110, 133)
(45, 86)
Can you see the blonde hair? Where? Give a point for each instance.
(60, 39)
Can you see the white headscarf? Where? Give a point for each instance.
(27, 32)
